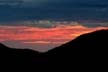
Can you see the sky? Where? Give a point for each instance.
(55, 9)
(44, 24)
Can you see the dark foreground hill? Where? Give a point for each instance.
(22, 57)
(88, 50)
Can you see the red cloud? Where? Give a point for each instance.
(47, 37)
(38, 34)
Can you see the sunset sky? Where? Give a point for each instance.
(44, 24)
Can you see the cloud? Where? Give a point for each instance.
(74, 2)
(35, 33)
(94, 25)
(30, 23)
(42, 38)
(54, 24)
(56, 9)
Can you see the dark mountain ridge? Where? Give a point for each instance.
(89, 50)
(86, 50)
(11, 56)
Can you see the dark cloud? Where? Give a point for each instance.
(40, 24)
(93, 25)
(54, 24)
(55, 9)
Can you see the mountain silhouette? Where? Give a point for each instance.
(22, 57)
(88, 49)
(89, 41)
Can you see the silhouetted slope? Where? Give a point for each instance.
(93, 40)
(26, 57)
(88, 49)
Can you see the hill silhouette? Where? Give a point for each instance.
(89, 41)
(22, 57)
(87, 49)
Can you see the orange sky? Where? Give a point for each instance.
(43, 36)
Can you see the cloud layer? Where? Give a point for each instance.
(41, 39)
(55, 24)
(56, 9)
